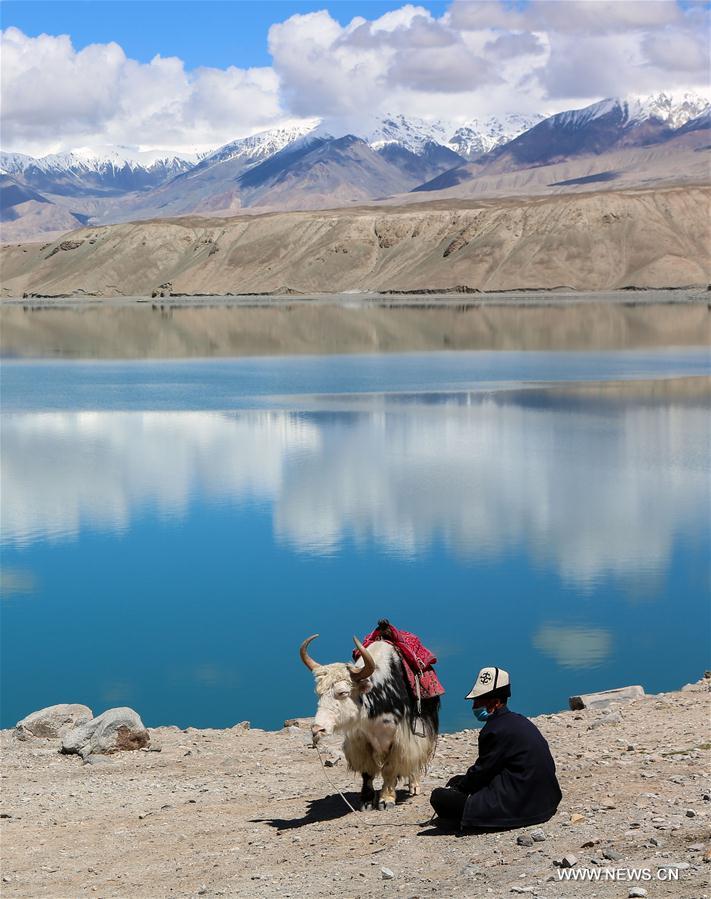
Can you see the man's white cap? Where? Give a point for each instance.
(487, 680)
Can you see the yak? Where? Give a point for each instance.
(370, 702)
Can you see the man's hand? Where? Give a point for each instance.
(454, 782)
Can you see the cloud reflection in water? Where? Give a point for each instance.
(574, 647)
(593, 489)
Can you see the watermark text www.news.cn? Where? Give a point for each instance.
(594, 875)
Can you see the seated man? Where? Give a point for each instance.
(513, 782)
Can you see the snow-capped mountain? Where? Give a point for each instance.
(468, 140)
(411, 134)
(318, 163)
(103, 170)
(675, 109)
(609, 125)
(258, 147)
(481, 136)
(670, 110)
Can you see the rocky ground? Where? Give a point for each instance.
(250, 813)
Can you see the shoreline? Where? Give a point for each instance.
(246, 812)
(427, 299)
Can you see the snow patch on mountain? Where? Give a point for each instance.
(258, 147)
(99, 160)
(412, 134)
(480, 136)
(673, 110)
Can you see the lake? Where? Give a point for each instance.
(171, 531)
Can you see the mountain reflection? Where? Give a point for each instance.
(592, 489)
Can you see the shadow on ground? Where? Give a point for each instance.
(329, 808)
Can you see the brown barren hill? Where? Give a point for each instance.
(596, 241)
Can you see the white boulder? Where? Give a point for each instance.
(53, 722)
(605, 698)
(115, 730)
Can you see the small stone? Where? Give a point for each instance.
(387, 874)
(588, 844)
(675, 866)
(690, 813)
(696, 847)
(567, 861)
(97, 760)
(202, 890)
(470, 871)
(6, 878)
(609, 717)
(537, 835)
(637, 893)
(611, 854)
(655, 841)
(525, 840)
(335, 757)
(303, 723)
(576, 818)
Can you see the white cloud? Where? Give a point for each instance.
(516, 43)
(477, 59)
(568, 17)
(488, 57)
(55, 98)
(677, 52)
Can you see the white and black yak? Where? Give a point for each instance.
(370, 702)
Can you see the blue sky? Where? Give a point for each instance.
(200, 32)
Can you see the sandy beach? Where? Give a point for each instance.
(245, 813)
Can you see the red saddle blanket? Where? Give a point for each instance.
(417, 659)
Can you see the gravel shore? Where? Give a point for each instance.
(251, 813)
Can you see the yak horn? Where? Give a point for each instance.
(368, 663)
(304, 653)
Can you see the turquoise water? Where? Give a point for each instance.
(172, 531)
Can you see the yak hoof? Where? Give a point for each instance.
(366, 805)
(385, 804)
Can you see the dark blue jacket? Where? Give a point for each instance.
(513, 782)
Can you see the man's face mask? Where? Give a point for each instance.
(482, 714)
